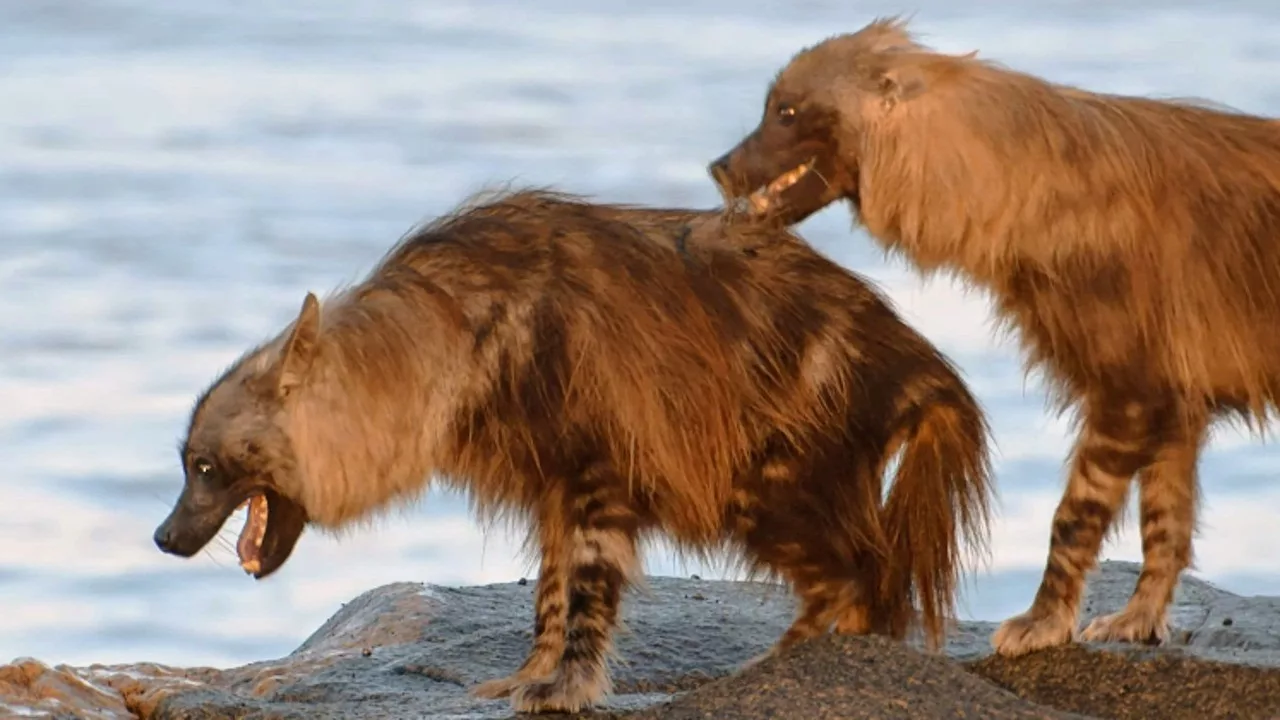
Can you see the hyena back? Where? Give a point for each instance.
(608, 373)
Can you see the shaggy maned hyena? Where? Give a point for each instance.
(1133, 243)
(607, 373)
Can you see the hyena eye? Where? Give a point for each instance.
(203, 469)
(786, 114)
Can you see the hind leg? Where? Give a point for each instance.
(551, 602)
(829, 594)
(1168, 495)
(823, 597)
(1111, 448)
(604, 561)
(824, 569)
(770, 543)
(822, 602)
(870, 608)
(855, 616)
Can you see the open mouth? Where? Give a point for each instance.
(249, 546)
(272, 526)
(763, 199)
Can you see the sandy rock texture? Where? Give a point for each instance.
(409, 650)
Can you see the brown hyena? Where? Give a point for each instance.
(607, 373)
(1134, 244)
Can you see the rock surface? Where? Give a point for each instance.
(409, 651)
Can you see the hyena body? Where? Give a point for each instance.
(605, 373)
(1131, 242)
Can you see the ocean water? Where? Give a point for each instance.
(174, 177)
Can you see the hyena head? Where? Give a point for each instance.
(807, 149)
(238, 451)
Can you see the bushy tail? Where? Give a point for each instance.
(942, 495)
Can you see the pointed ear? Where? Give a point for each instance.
(902, 82)
(299, 348)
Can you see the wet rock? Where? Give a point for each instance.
(408, 651)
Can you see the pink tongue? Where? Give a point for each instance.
(249, 546)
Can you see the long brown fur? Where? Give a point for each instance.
(1133, 243)
(605, 373)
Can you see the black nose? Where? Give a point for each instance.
(164, 537)
(719, 170)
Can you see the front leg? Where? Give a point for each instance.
(604, 562)
(1111, 448)
(551, 601)
(1168, 493)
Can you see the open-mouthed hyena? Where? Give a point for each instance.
(606, 373)
(1134, 244)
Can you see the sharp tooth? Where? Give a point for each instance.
(789, 178)
(762, 198)
(249, 545)
(259, 509)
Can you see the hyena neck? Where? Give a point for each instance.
(952, 249)
(370, 424)
(911, 208)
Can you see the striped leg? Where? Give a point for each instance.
(551, 603)
(1169, 494)
(1111, 448)
(604, 561)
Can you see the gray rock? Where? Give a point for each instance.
(1207, 622)
(408, 650)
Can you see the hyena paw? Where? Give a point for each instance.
(1031, 631)
(1128, 626)
(537, 667)
(566, 693)
(498, 687)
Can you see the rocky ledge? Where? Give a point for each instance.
(411, 651)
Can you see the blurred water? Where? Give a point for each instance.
(175, 176)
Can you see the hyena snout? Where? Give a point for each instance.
(743, 169)
(730, 175)
(718, 169)
(172, 541)
(184, 534)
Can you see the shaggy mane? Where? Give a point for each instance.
(1063, 184)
